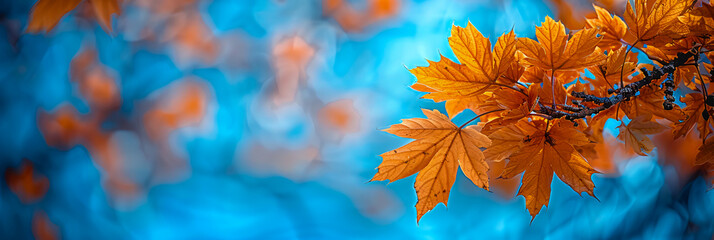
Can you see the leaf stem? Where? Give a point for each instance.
(656, 59)
(703, 88)
(478, 116)
(624, 60)
(552, 86)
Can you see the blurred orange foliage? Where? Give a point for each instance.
(65, 128)
(184, 106)
(340, 115)
(28, 185)
(296, 164)
(164, 7)
(193, 38)
(680, 153)
(43, 228)
(96, 84)
(604, 155)
(290, 58)
(353, 20)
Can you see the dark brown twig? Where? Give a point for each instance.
(623, 94)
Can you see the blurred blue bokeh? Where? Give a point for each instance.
(256, 169)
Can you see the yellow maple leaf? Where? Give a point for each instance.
(438, 151)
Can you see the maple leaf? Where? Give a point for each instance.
(474, 50)
(508, 140)
(462, 85)
(700, 20)
(532, 75)
(546, 153)
(613, 29)
(693, 110)
(634, 134)
(556, 90)
(511, 91)
(509, 107)
(451, 82)
(649, 20)
(47, 13)
(553, 51)
(608, 74)
(438, 151)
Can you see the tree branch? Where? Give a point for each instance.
(622, 94)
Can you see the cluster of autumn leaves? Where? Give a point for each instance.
(510, 84)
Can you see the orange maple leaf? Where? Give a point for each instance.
(608, 74)
(548, 152)
(553, 51)
(509, 89)
(464, 85)
(438, 151)
(634, 134)
(650, 20)
(613, 29)
(508, 140)
(700, 20)
(695, 107)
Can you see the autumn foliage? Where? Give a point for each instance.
(542, 103)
